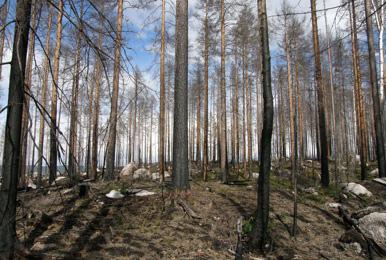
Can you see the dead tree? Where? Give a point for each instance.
(380, 148)
(43, 100)
(111, 146)
(223, 115)
(54, 97)
(180, 127)
(12, 145)
(260, 233)
(320, 100)
(162, 97)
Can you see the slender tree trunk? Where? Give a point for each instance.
(320, 102)
(4, 15)
(97, 77)
(380, 148)
(180, 128)
(198, 120)
(72, 168)
(260, 233)
(12, 141)
(27, 89)
(135, 114)
(223, 115)
(205, 104)
(236, 110)
(358, 94)
(54, 96)
(43, 100)
(162, 97)
(111, 148)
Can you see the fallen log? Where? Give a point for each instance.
(187, 209)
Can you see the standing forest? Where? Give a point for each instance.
(192, 129)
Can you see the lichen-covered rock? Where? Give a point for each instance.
(141, 173)
(373, 226)
(113, 194)
(356, 189)
(374, 172)
(128, 169)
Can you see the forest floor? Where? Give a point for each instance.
(60, 225)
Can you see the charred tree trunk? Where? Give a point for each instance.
(54, 97)
(260, 233)
(12, 145)
(27, 89)
(320, 102)
(378, 125)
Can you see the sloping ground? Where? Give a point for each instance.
(96, 227)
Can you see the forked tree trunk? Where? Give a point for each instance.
(12, 145)
(111, 147)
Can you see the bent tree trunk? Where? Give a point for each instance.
(180, 123)
(12, 145)
(260, 233)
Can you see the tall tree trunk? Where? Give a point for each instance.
(97, 77)
(380, 148)
(72, 162)
(111, 148)
(205, 104)
(358, 94)
(333, 117)
(4, 15)
(162, 97)
(320, 102)
(54, 96)
(260, 233)
(236, 110)
(198, 119)
(27, 89)
(223, 115)
(12, 144)
(43, 100)
(180, 127)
